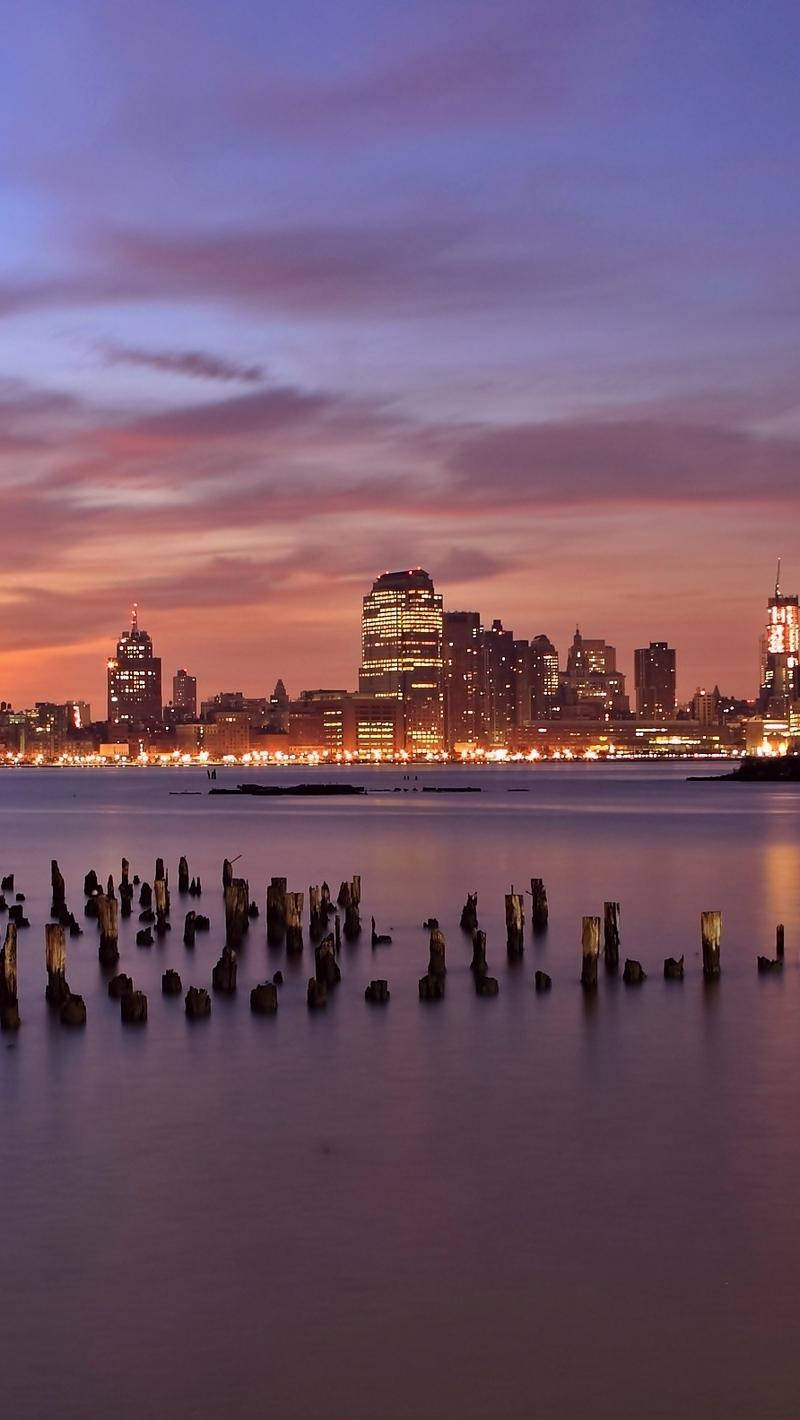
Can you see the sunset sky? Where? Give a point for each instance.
(292, 294)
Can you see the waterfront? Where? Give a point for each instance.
(479, 1208)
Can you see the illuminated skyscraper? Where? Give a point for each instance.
(401, 653)
(134, 681)
(654, 677)
(780, 652)
(544, 677)
(184, 696)
(462, 678)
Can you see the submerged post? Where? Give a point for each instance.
(108, 951)
(276, 911)
(57, 990)
(539, 908)
(711, 933)
(9, 1005)
(514, 920)
(294, 921)
(590, 951)
(59, 900)
(611, 913)
(237, 902)
(779, 942)
(469, 913)
(183, 876)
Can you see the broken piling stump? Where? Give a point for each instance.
(431, 988)
(294, 921)
(144, 937)
(16, 914)
(133, 1008)
(145, 896)
(237, 902)
(633, 973)
(183, 876)
(350, 899)
(276, 911)
(486, 986)
(9, 1004)
(768, 964)
(379, 939)
(227, 873)
(57, 990)
(189, 929)
(779, 934)
(539, 908)
(171, 984)
(119, 986)
(673, 968)
(590, 951)
(542, 981)
(108, 951)
(377, 993)
(316, 994)
(436, 960)
(223, 975)
(58, 898)
(318, 917)
(469, 913)
(91, 883)
(325, 963)
(73, 1011)
(711, 933)
(264, 999)
(515, 918)
(478, 963)
(198, 1003)
(611, 915)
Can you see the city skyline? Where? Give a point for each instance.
(507, 291)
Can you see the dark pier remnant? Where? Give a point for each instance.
(377, 993)
(73, 1011)
(161, 896)
(469, 913)
(633, 974)
(437, 965)
(145, 897)
(515, 918)
(125, 890)
(264, 999)
(160, 871)
(379, 939)
(252, 911)
(768, 964)
(223, 976)
(478, 963)
(276, 911)
(119, 986)
(133, 1008)
(779, 935)
(316, 994)
(91, 883)
(325, 963)
(189, 928)
(195, 888)
(58, 903)
(711, 933)
(144, 937)
(431, 988)
(325, 901)
(486, 986)
(227, 873)
(110, 886)
(7, 883)
(542, 981)
(198, 1003)
(171, 984)
(350, 899)
(673, 968)
(57, 990)
(611, 914)
(539, 908)
(590, 951)
(237, 902)
(318, 916)
(9, 1005)
(16, 914)
(337, 932)
(183, 877)
(108, 951)
(294, 921)
(201, 923)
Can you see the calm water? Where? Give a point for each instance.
(479, 1208)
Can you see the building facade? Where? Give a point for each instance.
(402, 627)
(462, 671)
(780, 653)
(654, 678)
(184, 696)
(134, 681)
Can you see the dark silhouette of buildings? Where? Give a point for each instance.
(134, 682)
(184, 696)
(654, 678)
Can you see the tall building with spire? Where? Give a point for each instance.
(780, 652)
(401, 653)
(134, 681)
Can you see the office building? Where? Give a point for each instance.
(462, 656)
(654, 678)
(184, 696)
(401, 654)
(780, 652)
(134, 681)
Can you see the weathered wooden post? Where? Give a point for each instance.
(125, 890)
(183, 876)
(294, 921)
(325, 901)
(379, 939)
(161, 896)
(539, 908)
(276, 911)
(673, 968)
(108, 951)
(237, 902)
(779, 934)
(223, 975)
(469, 913)
(59, 899)
(171, 984)
(325, 963)
(349, 899)
(160, 871)
(9, 1005)
(316, 994)
(227, 873)
(541, 981)
(145, 896)
(633, 973)
(57, 990)
(515, 918)
(711, 933)
(611, 914)
(90, 883)
(317, 913)
(264, 999)
(337, 932)
(198, 1003)
(133, 1008)
(436, 960)
(377, 993)
(189, 929)
(110, 886)
(478, 963)
(590, 951)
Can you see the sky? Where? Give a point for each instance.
(293, 294)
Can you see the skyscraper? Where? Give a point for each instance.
(500, 682)
(780, 652)
(134, 681)
(544, 677)
(654, 677)
(184, 696)
(591, 684)
(462, 678)
(401, 653)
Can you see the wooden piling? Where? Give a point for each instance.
(590, 951)
(325, 964)
(469, 913)
(539, 908)
(349, 899)
(58, 892)
(9, 1004)
(183, 876)
(294, 921)
(515, 918)
(189, 929)
(611, 915)
(57, 990)
(108, 951)
(276, 911)
(711, 934)
(227, 873)
(223, 975)
(478, 963)
(779, 934)
(237, 902)
(317, 914)
(673, 968)
(436, 959)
